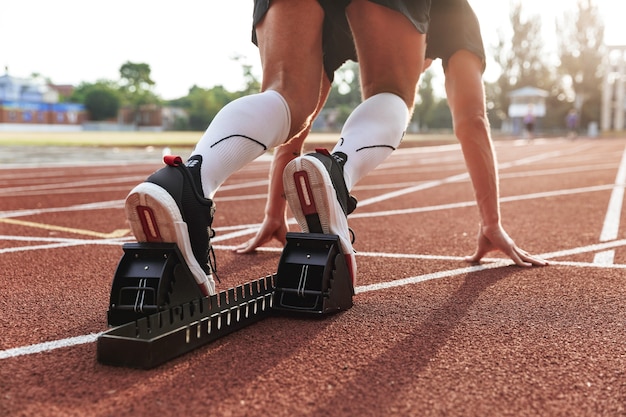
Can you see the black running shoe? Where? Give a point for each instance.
(317, 195)
(170, 207)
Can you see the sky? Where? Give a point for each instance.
(188, 42)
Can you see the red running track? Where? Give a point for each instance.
(429, 335)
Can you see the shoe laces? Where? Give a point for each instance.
(211, 256)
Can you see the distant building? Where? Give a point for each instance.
(526, 102)
(174, 118)
(31, 104)
(65, 91)
(26, 102)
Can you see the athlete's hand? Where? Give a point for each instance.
(270, 229)
(492, 238)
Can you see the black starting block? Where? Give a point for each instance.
(312, 275)
(150, 277)
(160, 312)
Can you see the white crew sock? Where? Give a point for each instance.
(242, 131)
(373, 130)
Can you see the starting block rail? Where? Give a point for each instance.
(157, 338)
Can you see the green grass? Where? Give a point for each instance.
(104, 139)
(189, 139)
(159, 139)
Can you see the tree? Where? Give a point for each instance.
(426, 102)
(346, 87)
(202, 105)
(252, 83)
(136, 77)
(102, 99)
(136, 84)
(102, 104)
(521, 59)
(136, 87)
(345, 94)
(441, 117)
(581, 51)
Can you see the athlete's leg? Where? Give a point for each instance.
(317, 185)
(389, 48)
(274, 225)
(174, 204)
(290, 44)
(391, 55)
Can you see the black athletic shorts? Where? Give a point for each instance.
(453, 26)
(337, 42)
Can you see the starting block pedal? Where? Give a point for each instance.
(312, 275)
(150, 277)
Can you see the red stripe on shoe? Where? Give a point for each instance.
(148, 224)
(305, 195)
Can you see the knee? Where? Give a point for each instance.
(302, 106)
(302, 115)
(406, 92)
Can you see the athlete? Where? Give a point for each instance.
(454, 36)
(301, 43)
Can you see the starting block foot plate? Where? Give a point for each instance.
(312, 275)
(150, 277)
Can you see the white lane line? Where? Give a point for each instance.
(420, 187)
(427, 277)
(610, 228)
(413, 186)
(604, 258)
(612, 219)
(249, 184)
(490, 263)
(57, 243)
(247, 229)
(48, 346)
(73, 184)
(417, 256)
(585, 249)
(253, 228)
(473, 203)
(62, 239)
(496, 263)
(243, 230)
(112, 204)
(460, 177)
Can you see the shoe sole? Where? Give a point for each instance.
(154, 216)
(309, 191)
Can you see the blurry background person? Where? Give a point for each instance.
(571, 121)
